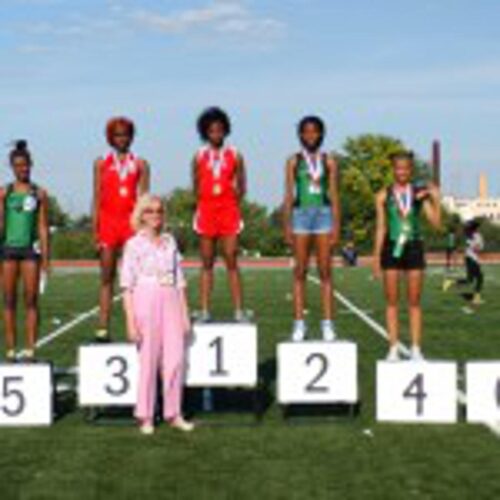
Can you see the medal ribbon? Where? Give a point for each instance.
(216, 161)
(124, 167)
(314, 166)
(404, 200)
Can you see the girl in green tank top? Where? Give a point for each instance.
(24, 251)
(312, 220)
(399, 247)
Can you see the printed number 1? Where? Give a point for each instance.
(219, 358)
(416, 390)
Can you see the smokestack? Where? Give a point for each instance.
(436, 162)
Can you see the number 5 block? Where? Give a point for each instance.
(483, 391)
(108, 375)
(417, 391)
(25, 395)
(317, 372)
(223, 355)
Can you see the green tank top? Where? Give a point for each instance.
(395, 220)
(21, 218)
(306, 193)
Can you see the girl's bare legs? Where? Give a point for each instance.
(301, 251)
(207, 253)
(323, 256)
(30, 272)
(230, 253)
(10, 274)
(108, 260)
(391, 289)
(415, 283)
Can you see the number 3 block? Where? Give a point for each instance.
(223, 355)
(317, 372)
(417, 392)
(108, 375)
(25, 395)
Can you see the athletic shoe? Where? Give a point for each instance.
(298, 334)
(477, 300)
(393, 354)
(416, 354)
(147, 429)
(10, 356)
(181, 424)
(204, 317)
(447, 284)
(241, 316)
(102, 336)
(328, 334)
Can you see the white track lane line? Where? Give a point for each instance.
(494, 427)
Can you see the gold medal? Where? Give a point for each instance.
(123, 191)
(217, 189)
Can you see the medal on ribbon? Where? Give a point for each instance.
(404, 202)
(315, 170)
(216, 161)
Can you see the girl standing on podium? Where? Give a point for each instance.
(312, 217)
(156, 312)
(399, 247)
(24, 230)
(219, 183)
(120, 177)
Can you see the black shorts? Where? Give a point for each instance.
(12, 253)
(413, 256)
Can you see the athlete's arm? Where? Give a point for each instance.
(96, 199)
(43, 228)
(194, 176)
(333, 191)
(380, 230)
(241, 177)
(2, 210)
(144, 180)
(432, 206)
(291, 166)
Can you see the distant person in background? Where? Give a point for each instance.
(474, 245)
(156, 311)
(312, 219)
(24, 230)
(120, 177)
(219, 183)
(451, 248)
(350, 254)
(399, 247)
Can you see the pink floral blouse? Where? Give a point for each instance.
(146, 261)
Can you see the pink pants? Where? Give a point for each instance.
(159, 314)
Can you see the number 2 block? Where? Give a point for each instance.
(317, 373)
(108, 375)
(223, 355)
(417, 391)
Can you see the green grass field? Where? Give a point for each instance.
(278, 460)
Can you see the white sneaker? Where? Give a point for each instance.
(329, 334)
(416, 354)
(182, 425)
(298, 334)
(393, 354)
(147, 429)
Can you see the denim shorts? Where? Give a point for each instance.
(312, 220)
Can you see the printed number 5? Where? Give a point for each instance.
(8, 392)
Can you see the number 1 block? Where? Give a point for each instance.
(424, 392)
(317, 373)
(222, 355)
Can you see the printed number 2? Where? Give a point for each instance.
(14, 409)
(123, 384)
(219, 358)
(416, 390)
(323, 362)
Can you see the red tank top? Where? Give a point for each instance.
(216, 171)
(119, 184)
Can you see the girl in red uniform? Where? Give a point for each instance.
(219, 184)
(119, 178)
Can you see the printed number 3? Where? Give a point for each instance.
(122, 384)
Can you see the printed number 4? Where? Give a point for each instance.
(416, 390)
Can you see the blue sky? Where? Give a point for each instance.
(415, 70)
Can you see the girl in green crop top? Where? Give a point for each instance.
(399, 247)
(312, 220)
(24, 251)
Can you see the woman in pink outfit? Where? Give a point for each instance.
(156, 312)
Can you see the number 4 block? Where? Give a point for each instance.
(417, 391)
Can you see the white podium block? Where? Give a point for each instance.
(423, 392)
(317, 372)
(26, 394)
(108, 375)
(222, 355)
(483, 391)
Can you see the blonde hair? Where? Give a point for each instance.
(144, 202)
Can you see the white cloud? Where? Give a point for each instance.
(220, 16)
